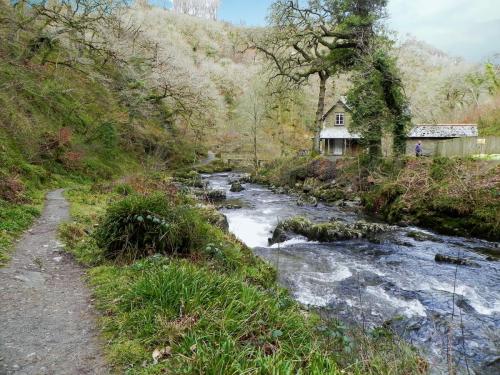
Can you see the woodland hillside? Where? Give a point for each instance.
(210, 86)
(212, 54)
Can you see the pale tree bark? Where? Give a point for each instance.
(320, 112)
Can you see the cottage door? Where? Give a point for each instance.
(338, 147)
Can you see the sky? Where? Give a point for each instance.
(466, 28)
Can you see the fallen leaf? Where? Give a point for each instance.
(159, 354)
(269, 349)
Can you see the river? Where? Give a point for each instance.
(394, 278)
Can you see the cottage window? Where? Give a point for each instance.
(339, 119)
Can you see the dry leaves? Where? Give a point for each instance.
(159, 354)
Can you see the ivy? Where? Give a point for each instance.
(379, 103)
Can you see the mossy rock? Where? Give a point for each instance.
(326, 232)
(307, 200)
(215, 195)
(236, 187)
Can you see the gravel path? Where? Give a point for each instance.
(47, 324)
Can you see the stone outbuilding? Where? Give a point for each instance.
(430, 135)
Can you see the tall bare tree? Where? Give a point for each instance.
(319, 39)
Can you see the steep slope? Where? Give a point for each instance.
(62, 122)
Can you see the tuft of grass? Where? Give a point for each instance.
(14, 220)
(215, 324)
(138, 226)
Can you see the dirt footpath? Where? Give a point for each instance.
(47, 324)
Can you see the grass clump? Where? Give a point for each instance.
(138, 226)
(15, 218)
(214, 323)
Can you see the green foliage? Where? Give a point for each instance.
(440, 168)
(379, 103)
(452, 196)
(215, 323)
(123, 189)
(14, 219)
(138, 226)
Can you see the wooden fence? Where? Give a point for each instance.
(469, 146)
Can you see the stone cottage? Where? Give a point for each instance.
(338, 141)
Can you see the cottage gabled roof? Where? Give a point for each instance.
(343, 101)
(338, 132)
(443, 131)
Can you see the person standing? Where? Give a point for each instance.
(418, 149)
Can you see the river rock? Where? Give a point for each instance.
(236, 187)
(421, 236)
(440, 258)
(215, 195)
(278, 189)
(325, 232)
(221, 222)
(307, 200)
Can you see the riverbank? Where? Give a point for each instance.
(450, 196)
(212, 307)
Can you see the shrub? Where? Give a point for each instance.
(138, 226)
(440, 167)
(322, 169)
(12, 189)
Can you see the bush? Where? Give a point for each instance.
(12, 189)
(322, 169)
(138, 226)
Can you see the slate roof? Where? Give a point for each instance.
(338, 132)
(443, 131)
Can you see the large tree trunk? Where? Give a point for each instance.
(318, 123)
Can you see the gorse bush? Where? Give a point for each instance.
(139, 226)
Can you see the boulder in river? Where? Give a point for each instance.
(422, 236)
(214, 217)
(236, 187)
(440, 258)
(325, 232)
(215, 195)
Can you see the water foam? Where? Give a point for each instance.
(408, 308)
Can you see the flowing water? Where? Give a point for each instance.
(393, 279)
